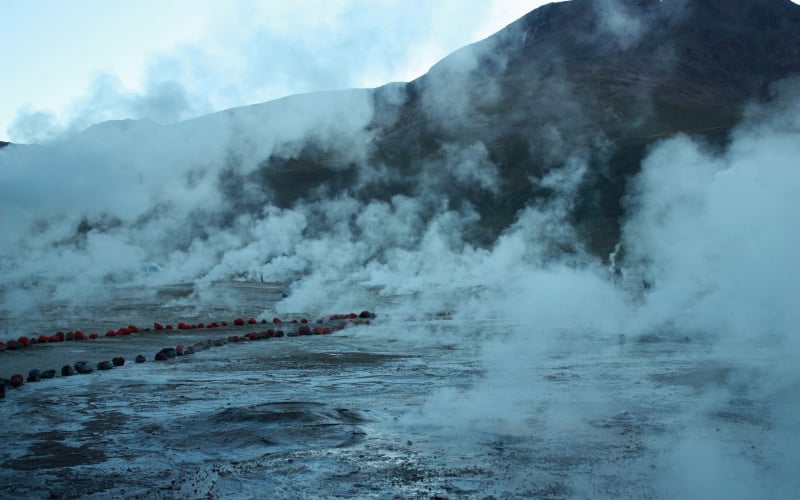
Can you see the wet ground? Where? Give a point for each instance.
(400, 408)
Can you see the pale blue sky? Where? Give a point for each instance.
(70, 63)
(80, 61)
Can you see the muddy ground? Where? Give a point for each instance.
(400, 408)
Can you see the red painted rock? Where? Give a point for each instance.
(304, 321)
(43, 339)
(118, 361)
(16, 380)
(60, 336)
(224, 323)
(168, 327)
(80, 336)
(279, 333)
(179, 350)
(93, 336)
(252, 336)
(52, 338)
(123, 331)
(252, 321)
(276, 320)
(304, 330)
(200, 325)
(24, 342)
(133, 329)
(111, 333)
(158, 326)
(238, 322)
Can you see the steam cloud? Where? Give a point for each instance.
(713, 232)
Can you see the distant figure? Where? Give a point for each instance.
(646, 284)
(616, 276)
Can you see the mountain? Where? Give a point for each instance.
(585, 82)
(599, 80)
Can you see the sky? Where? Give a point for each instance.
(69, 64)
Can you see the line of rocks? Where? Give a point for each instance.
(167, 353)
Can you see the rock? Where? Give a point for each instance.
(366, 315)
(34, 375)
(118, 361)
(238, 321)
(140, 358)
(83, 367)
(105, 365)
(67, 371)
(166, 353)
(16, 380)
(48, 374)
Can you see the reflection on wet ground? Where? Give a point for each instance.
(364, 413)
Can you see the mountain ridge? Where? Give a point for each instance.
(593, 81)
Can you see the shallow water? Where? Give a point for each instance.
(398, 408)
